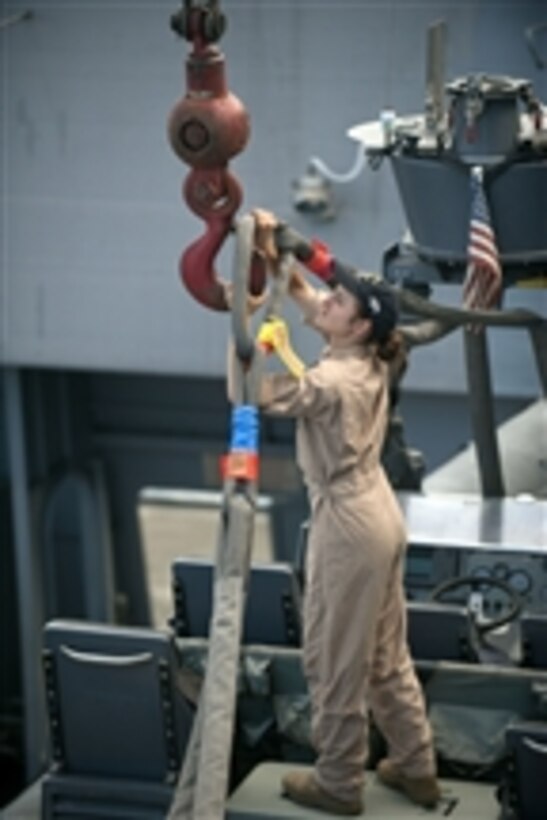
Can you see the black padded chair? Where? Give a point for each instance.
(533, 630)
(273, 607)
(118, 724)
(523, 791)
(439, 632)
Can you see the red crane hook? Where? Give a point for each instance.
(206, 128)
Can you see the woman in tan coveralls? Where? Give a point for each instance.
(355, 651)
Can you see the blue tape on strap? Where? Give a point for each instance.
(244, 428)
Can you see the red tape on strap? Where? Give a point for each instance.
(240, 465)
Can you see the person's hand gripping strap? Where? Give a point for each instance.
(274, 336)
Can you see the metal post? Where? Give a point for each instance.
(482, 412)
(27, 582)
(538, 337)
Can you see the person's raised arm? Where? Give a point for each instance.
(306, 296)
(303, 293)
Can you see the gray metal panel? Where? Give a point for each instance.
(92, 219)
(469, 522)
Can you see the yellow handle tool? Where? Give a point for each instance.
(274, 336)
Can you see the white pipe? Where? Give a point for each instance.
(333, 176)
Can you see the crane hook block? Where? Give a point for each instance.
(209, 125)
(206, 128)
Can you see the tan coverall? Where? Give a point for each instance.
(355, 649)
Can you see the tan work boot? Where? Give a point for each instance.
(424, 791)
(302, 788)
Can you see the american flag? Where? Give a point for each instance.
(483, 278)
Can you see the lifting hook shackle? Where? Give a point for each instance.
(206, 128)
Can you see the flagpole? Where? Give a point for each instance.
(483, 421)
(482, 288)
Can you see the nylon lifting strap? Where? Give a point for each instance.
(203, 782)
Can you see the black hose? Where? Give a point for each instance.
(289, 240)
(461, 316)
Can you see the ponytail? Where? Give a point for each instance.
(393, 350)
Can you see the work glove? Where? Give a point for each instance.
(273, 236)
(265, 227)
(274, 336)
